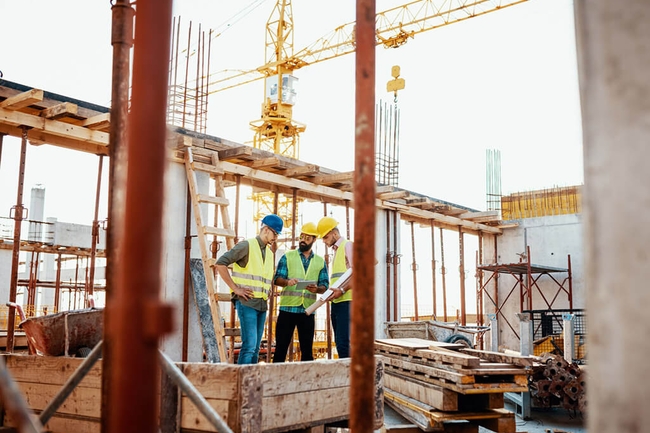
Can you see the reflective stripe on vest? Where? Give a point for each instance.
(338, 269)
(290, 296)
(258, 273)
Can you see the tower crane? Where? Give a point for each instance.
(275, 130)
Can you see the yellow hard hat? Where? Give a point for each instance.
(309, 229)
(325, 225)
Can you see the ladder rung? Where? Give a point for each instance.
(208, 168)
(220, 201)
(232, 332)
(223, 297)
(216, 231)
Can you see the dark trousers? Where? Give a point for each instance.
(284, 328)
(340, 312)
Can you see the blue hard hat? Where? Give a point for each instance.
(273, 221)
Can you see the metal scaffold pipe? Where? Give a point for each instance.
(138, 319)
(362, 392)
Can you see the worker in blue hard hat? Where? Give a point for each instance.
(342, 296)
(306, 267)
(250, 284)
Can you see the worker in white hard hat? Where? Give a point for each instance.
(250, 284)
(296, 266)
(342, 296)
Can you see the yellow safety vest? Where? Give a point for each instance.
(258, 273)
(338, 269)
(292, 297)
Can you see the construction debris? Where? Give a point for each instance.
(555, 382)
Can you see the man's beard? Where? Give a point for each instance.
(303, 247)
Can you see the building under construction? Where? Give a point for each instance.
(122, 326)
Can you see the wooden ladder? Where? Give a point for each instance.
(203, 231)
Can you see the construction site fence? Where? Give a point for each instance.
(548, 331)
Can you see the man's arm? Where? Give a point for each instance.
(282, 273)
(238, 253)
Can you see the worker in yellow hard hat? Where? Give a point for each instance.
(295, 269)
(250, 284)
(342, 296)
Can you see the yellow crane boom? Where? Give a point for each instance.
(393, 29)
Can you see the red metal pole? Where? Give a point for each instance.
(414, 268)
(90, 289)
(433, 271)
(139, 319)
(443, 270)
(461, 270)
(18, 219)
(362, 389)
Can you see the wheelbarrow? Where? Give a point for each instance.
(66, 333)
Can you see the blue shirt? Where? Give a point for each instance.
(282, 271)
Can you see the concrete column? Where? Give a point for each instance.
(614, 64)
(569, 337)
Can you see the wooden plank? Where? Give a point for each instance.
(22, 100)
(191, 418)
(235, 153)
(100, 121)
(272, 162)
(300, 410)
(64, 424)
(213, 381)
(54, 127)
(435, 396)
(305, 170)
(250, 404)
(82, 401)
(331, 179)
(208, 168)
(52, 370)
(523, 361)
(279, 379)
(394, 195)
(420, 343)
(428, 370)
(211, 199)
(60, 110)
(448, 357)
(217, 231)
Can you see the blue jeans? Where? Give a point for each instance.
(251, 322)
(341, 323)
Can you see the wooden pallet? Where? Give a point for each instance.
(429, 419)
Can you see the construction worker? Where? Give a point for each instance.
(250, 284)
(295, 266)
(342, 297)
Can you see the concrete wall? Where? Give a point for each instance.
(551, 240)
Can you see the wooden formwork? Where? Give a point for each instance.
(249, 398)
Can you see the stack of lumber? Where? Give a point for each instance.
(449, 388)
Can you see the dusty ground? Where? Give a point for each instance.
(545, 420)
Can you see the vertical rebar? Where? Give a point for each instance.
(138, 317)
(57, 284)
(18, 219)
(362, 381)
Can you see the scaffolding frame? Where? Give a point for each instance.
(527, 276)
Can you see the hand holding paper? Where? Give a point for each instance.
(343, 281)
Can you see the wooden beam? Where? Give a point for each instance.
(54, 127)
(239, 152)
(490, 215)
(305, 170)
(60, 110)
(393, 195)
(331, 179)
(22, 100)
(272, 162)
(37, 137)
(100, 121)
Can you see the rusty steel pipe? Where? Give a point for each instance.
(389, 258)
(414, 268)
(186, 275)
(433, 271)
(138, 317)
(362, 389)
(121, 41)
(95, 231)
(18, 219)
(461, 271)
(396, 262)
(443, 272)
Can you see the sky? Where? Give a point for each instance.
(506, 81)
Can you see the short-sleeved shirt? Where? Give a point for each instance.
(282, 271)
(239, 254)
